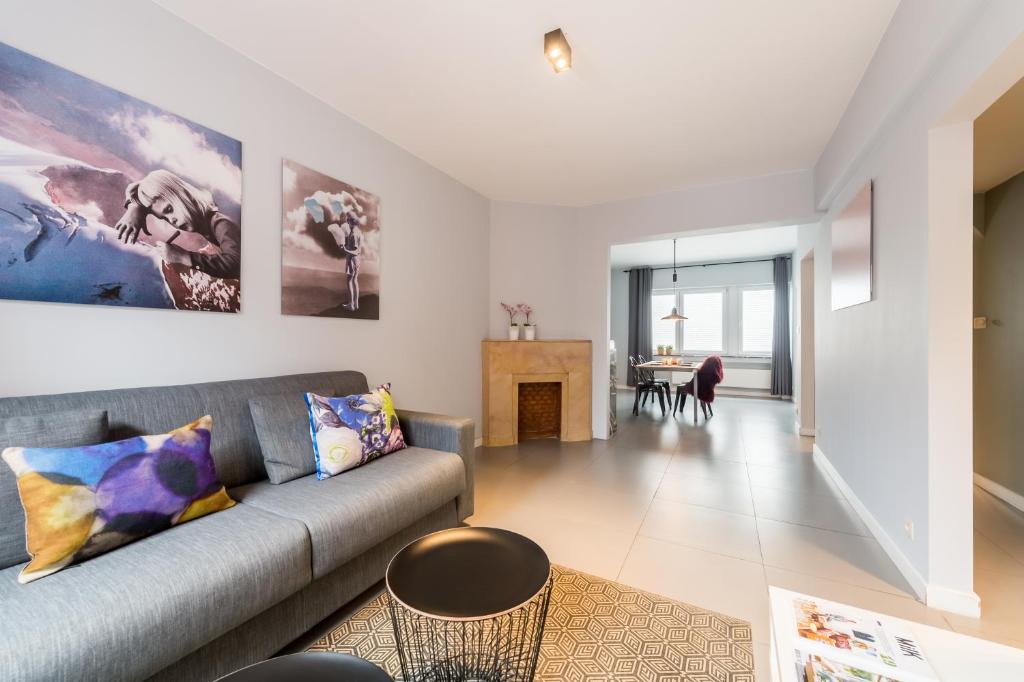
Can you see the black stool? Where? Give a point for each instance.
(311, 667)
(469, 604)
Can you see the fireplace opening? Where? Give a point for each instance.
(540, 410)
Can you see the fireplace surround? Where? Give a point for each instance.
(509, 364)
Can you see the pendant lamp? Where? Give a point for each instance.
(674, 316)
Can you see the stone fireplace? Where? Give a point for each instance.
(536, 389)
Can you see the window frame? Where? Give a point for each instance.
(654, 320)
(680, 295)
(732, 319)
(739, 300)
(724, 292)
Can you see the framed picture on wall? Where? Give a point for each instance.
(330, 250)
(105, 199)
(851, 251)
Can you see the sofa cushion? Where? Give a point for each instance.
(48, 430)
(349, 431)
(349, 513)
(282, 426)
(83, 501)
(160, 598)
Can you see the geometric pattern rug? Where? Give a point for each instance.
(596, 631)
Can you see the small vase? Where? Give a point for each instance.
(513, 332)
(531, 332)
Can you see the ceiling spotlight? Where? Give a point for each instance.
(557, 50)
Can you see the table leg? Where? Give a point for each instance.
(696, 392)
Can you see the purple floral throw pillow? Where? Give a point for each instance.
(351, 430)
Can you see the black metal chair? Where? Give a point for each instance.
(647, 385)
(665, 384)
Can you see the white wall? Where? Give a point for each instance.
(732, 274)
(891, 374)
(803, 314)
(434, 307)
(803, 327)
(919, 32)
(620, 322)
(532, 261)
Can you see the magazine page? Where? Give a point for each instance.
(841, 635)
(815, 668)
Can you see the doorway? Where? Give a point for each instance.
(998, 359)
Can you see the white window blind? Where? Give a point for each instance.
(663, 332)
(758, 315)
(702, 329)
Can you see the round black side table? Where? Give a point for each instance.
(469, 604)
(310, 667)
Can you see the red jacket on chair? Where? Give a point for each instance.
(710, 374)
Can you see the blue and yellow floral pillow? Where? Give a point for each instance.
(350, 431)
(84, 501)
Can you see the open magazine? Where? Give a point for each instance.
(838, 643)
(814, 668)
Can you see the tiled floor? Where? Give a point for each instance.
(713, 514)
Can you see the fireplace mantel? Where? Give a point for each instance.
(506, 364)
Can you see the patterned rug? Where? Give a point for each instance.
(596, 630)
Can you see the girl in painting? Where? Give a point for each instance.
(193, 231)
(350, 239)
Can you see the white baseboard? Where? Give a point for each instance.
(935, 596)
(478, 442)
(954, 601)
(916, 580)
(1003, 493)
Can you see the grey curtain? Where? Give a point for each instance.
(640, 280)
(782, 361)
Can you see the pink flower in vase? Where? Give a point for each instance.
(511, 310)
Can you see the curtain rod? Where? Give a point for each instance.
(708, 265)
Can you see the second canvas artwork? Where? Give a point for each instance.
(330, 246)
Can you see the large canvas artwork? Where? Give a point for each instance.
(330, 252)
(106, 199)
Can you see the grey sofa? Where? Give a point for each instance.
(220, 592)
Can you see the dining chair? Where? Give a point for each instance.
(709, 374)
(647, 385)
(665, 384)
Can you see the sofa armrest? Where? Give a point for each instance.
(450, 434)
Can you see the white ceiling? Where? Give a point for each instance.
(664, 94)
(710, 248)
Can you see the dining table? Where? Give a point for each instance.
(668, 366)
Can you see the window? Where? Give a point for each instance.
(663, 332)
(702, 330)
(733, 320)
(757, 316)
